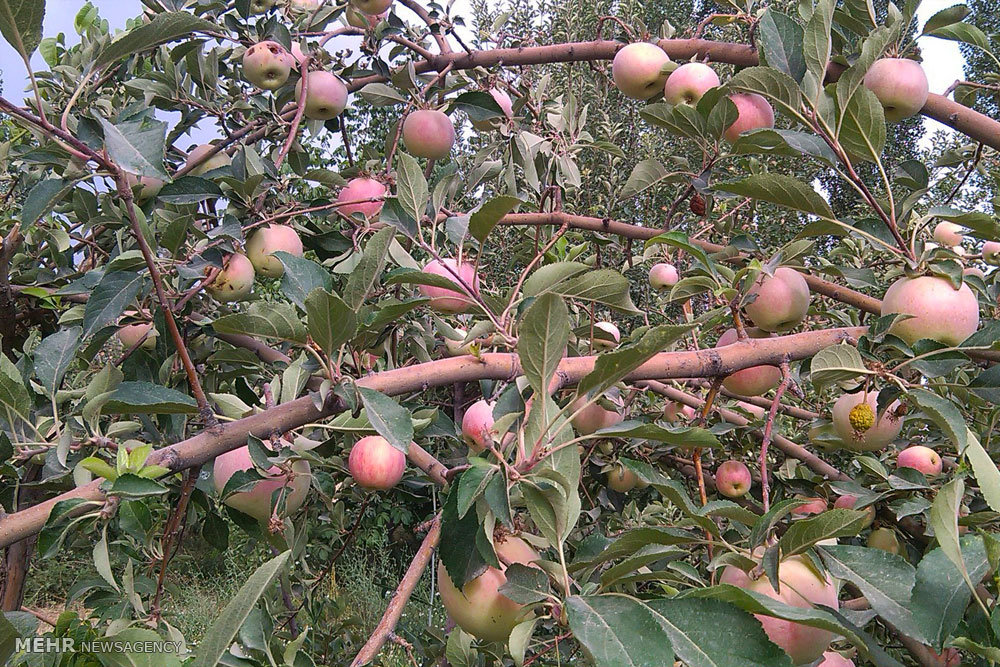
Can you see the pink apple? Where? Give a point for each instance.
(593, 417)
(991, 252)
(606, 336)
(477, 426)
(834, 659)
(504, 102)
(326, 97)
(754, 112)
(131, 334)
(151, 186)
(663, 275)
(267, 65)
(732, 479)
(220, 159)
(689, 82)
(753, 381)
(257, 501)
(847, 502)
(974, 271)
(428, 133)
(873, 439)
(673, 411)
(234, 281)
(638, 70)
(268, 240)
(940, 312)
(446, 300)
(921, 458)
(814, 505)
(900, 85)
(948, 233)
(362, 188)
(782, 300)
(375, 464)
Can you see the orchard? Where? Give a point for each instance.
(400, 332)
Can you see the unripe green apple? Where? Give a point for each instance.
(754, 112)
(260, 6)
(234, 281)
(257, 501)
(217, 161)
(267, 65)
(268, 240)
(782, 300)
(622, 479)
(991, 252)
(886, 540)
(428, 133)
(638, 70)
(151, 186)
(753, 381)
(375, 464)
(900, 85)
(371, 7)
(940, 312)
(326, 97)
(688, 83)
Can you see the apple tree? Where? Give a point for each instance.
(568, 287)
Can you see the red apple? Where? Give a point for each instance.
(326, 97)
(689, 82)
(638, 70)
(362, 188)
(234, 281)
(939, 311)
(754, 113)
(782, 300)
(375, 464)
(732, 479)
(477, 426)
(268, 240)
(753, 381)
(663, 275)
(257, 501)
(921, 458)
(446, 300)
(900, 85)
(267, 65)
(428, 133)
(872, 439)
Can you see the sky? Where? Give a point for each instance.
(942, 59)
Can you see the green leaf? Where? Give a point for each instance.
(267, 320)
(781, 42)
(542, 339)
(816, 46)
(54, 355)
(525, 584)
(21, 24)
(710, 633)
(944, 414)
(862, 129)
(389, 419)
(804, 533)
(164, 28)
(457, 550)
(963, 32)
(130, 485)
(364, 275)
(137, 146)
(778, 511)
(220, 635)
(837, 363)
(985, 471)
(618, 631)
(331, 321)
(301, 277)
(871, 50)
(604, 286)
(472, 484)
(645, 175)
(15, 401)
(784, 142)
(482, 222)
(782, 190)
(614, 366)
(147, 398)
(8, 636)
(411, 186)
(940, 596)
(43, 198)
(189, 190)
(945, 17)
(781, 89)
(381, 95)
(944, 521)
(108, 301)
(679, 436)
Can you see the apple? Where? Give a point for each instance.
(593, 417)
(220, 159)
(900, 86)
(621, 479)
(638, 70)
(428, 133)
(304, 5)
(362, 188)
(848, 501)
(921, 458)
(801, 586)
(688, 83)
(260, 6)
(732, 479)
(974, 271)
(371, 7)
(880, 434)
(271, 239)
(886, 540)
(375, 464)
(151, 186)
(131, 334)
(257, 501)
(234, 281)
(754, 112)
(663, 275)
(814, 505)
(267, 65)
(326, 97)
(948, 233)
(477, 426)
(479, 607)
(673, 411)
(753, 381)
(834, 659)
(755, 410)
(504, 102)
(949, 657)
(939, 311)
(446, 300)
(782, 300)
(991, 252)
(610, 338)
